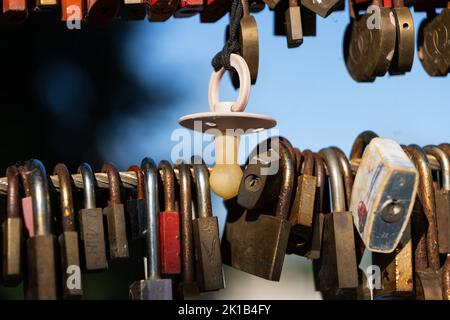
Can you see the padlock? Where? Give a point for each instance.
(206, 234)
(27, 202)
(91, 224)
(309, 22)
(279, 18)
(115, 215)
(72, 10)
(404, 47)
(12, 232)
(369, 47)
(427, 265)
(214, 10)
(133, 9)
(135, 208)
(258, 246)
(161, 10)
(14, 11)
(153, 287)
(101, 12)
(338, 270)
(169, 223)
(188, 8)
(294, 28)
(68, 239)
(347, 174)
(383, 195)
(323, 8)
(442, 198)
(302, 210)
(188, 288)
(41, 280)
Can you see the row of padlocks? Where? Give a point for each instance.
(390, 200)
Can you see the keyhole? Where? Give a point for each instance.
(253, 182)
(406, 25)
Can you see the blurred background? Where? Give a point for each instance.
(115, 94)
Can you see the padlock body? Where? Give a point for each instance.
(137, 219)
(258, 247)
(70, 260)
(152, 289)
(443, 219)
(117, 233)
(189, 291)
(12, 251)
(169, 241)
(27, 209)
(294, 31)
(302, 211)
(322, 8)
(338, 265)
(214, 10)
(41, 281)
(207, 254)
(93, 237)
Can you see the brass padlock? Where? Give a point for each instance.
(206, 234)
(323, 8)
(68, 239)
(338, 257)
(115, 215)
(294, 28)
(442, 198)
(258, 246)
(91, 224)
(405, 44)
(12, 232)
(188, 288)
(370, 43)
(41, 281)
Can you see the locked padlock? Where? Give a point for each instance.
(115, 215)
(293, 24)
(153, 287)
(258, 246)
(135, 208)
(91, 224)
(169, 223)
(383, 195)
(188, 288)
(338, 266)
(12, 231)
(68, 239)
(41, 280)
(206, 234)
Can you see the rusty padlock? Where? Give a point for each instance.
(12, 231)
(206, 234)
(153, 287)
(258, 246)
(41, 280)
(68, 239)
(188, 288)
(115, 215)
(135, 208)
(91, 224)
(169, 223)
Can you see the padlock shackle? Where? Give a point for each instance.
(168, 180)
(319, 172)
(187, 242)
(114, 182)
(360, 144)
(201, 179)
(444, 162)
(335, 175)
(66, 201)
(308, 162)
(139, 181)
(25, 180)
(88, 178)
(426, 196)
(13, 203)
(298, 160)
(347, 173)
(40, 197)
(150, 172)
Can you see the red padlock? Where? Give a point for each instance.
(169, 223)
(188, 8)
(161, 10)
(214, 10)
(27, 202)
